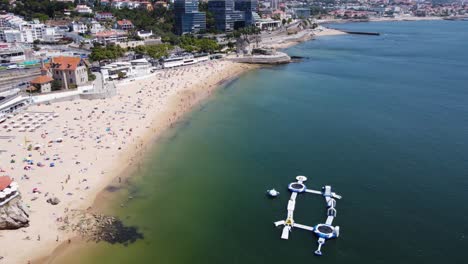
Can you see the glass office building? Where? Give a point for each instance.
(233, 14)
(187, 17)
(226, 17)
(250, 9)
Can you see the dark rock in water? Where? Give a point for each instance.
(118, 233)
(53, 200)
(98, 227)
(297, 58)
(112, 188)
(13, 215)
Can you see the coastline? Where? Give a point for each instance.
(119, 146)
(73, 253)
(380, 19)
(93, 163)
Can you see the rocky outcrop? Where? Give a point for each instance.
(99, 227)
(13, 215)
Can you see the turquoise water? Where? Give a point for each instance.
(384, 120)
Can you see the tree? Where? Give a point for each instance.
(140, 50)
(97, 54)
(158, 51)
(190, 44)
(91, 76)
(283, 21)
(109, 52)
(207, 45)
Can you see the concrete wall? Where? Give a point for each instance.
(279, 58)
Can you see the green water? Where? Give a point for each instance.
(384, 120)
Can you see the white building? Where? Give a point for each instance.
(132, 69)
(83, 9)
(11, 36)
(145, 34)
(110, 36)
(51, 34)
(10, 20)
(79, 27)
(96, 27)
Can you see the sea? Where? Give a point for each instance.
(382, 119)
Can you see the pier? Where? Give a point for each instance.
(323, 231)
(362, 33)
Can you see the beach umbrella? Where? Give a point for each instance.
(52, 165)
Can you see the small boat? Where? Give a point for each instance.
(273, 193)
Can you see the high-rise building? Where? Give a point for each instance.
(226, 17)
(233, 14)
(250, 9)
(187, 17)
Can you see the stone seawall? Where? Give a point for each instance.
(278, 58)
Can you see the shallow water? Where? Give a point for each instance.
(384, 120)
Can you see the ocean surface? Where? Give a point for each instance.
(383, 119)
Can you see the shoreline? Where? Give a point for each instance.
(103, 197)
(176, 99)
(384, 19)
(168, 96)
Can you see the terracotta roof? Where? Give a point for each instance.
(5, 181)
(65, 63)
(42, 79)
(124, 22)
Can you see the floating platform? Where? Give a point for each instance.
(325, 230)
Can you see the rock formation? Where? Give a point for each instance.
(13, 215)
(98, 227)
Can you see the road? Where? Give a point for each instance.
(12, 78)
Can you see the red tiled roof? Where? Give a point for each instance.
(124, 22)
(65, 63)
(5, 181)
(42, 79)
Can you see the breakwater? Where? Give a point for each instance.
(362, 33)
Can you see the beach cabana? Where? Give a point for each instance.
(8, 189)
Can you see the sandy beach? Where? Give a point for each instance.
(99, 139)
(83, 146)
